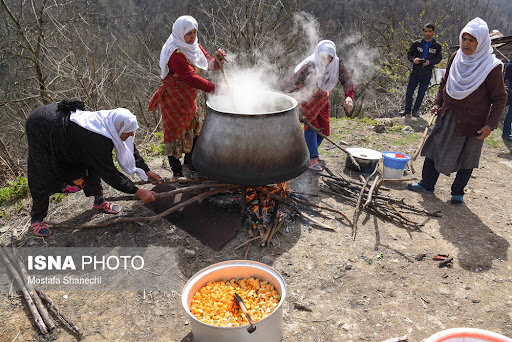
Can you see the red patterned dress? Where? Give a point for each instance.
(316, 107)
(177, 100)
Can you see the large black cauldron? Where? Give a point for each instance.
(252, 149)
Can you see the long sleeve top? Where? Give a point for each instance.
(179, 65)
(303, 78)
(434, 55)
(94, 152)
(482, 107)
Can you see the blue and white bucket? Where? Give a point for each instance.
(394, 164)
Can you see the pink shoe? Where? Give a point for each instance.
(70, 189)
(315, 166)
(108, 207)
(40, 229)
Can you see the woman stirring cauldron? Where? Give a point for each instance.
(469, 104)
(181, 61)
(314, 78)
(70, 149)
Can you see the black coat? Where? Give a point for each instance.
(60, 151)
(435, 55)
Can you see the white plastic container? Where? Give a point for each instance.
(394, 165)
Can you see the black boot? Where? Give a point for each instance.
(177, 169)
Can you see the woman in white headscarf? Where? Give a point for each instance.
(70, 149)
(314, 78)
(469, 104)
(181, 61)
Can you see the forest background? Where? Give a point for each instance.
(106, 53)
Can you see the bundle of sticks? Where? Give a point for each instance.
(35, 298)
(367, 197)
(264, 209)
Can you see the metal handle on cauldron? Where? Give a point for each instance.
(240, 301)
(310, 125)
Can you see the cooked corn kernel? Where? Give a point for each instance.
(215, 304)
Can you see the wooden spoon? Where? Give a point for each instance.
(240, 301)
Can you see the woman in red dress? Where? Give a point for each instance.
(181, 61)
(314, 78)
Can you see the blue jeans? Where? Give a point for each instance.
(429, 176)
(313, 140)
(507, 123)
(415, 78)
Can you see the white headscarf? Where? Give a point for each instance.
(327, 75)
(112, 123)
(467, 73)
(176, 40)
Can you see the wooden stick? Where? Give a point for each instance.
(150, 219)
(30, 303)
(15, 258)
(281, 222)
(318, 223)
(221, 67)
(58, 313)
(304, 202)
(422, 142)
(357, 212)
(370, 193)
(310, 125)
(248, 241)
(247, 251)
(170, 193)
(175, 180)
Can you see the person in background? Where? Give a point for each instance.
(507, 123)
(70, 149)
(424, 55)
(181, 61)
(311, 83)
(469, 105)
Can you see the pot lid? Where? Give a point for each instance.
(364, 153)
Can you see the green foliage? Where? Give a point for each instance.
(58, 197)
(16, 190)
(155, 145)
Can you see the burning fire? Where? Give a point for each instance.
(261, 212)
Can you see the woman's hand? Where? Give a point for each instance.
(220, 56)
(349, 103)
(484, 132)
(145, 196)
(434, 110)
(154, 177)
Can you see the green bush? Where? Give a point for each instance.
(16, 190)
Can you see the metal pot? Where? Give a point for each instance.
(268, 329)
(365, 157)
(252, 149)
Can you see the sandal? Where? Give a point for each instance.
(315, 166)
(108, 207)
(40, 229)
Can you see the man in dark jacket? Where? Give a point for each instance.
(508, 118)
(424, 54)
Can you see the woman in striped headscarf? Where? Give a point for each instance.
(181, 61)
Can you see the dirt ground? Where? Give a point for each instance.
(370, 289)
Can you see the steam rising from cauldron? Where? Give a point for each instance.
(248, 85)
